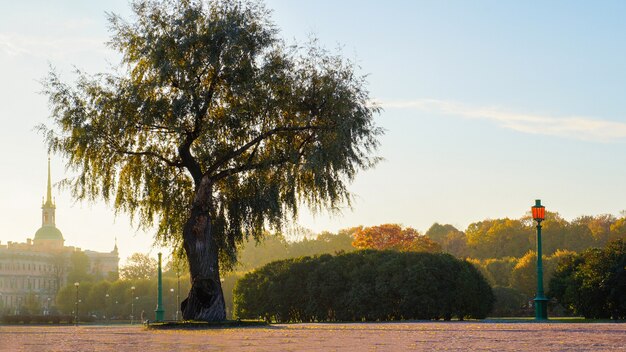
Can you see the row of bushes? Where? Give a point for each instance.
(43, 319)
(364, 286)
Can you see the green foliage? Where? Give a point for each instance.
(364, 286)
(618, 230)
(455, 243)
(450, 238)
(65, 299)
(513, 238)
(209, 108)
(255, 254)
(515, 279)
(252, 255)
(97, 296)
(524, 274)
(325, 242)
(59, 263)
(393, 237)
(438, 232)
(117, 304)
(498, 238)
(600, 226)
(500, 270)
(31, 304)
(497, 271)
(593, 283)
(68, 296)
(79, 267)
(139, 266)
(509, 302)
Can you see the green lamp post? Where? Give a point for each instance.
(541, 302)
(132, 305)
(160, 312)
(76, 284)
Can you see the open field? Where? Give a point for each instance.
(453, 336)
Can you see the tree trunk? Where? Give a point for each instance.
(206, 299)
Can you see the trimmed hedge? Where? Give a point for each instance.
(364, 286)
(41, 319)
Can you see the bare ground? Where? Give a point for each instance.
(419, 336)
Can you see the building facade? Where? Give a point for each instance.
(38, 268)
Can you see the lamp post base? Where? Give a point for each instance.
(160, 314)
(541, 308)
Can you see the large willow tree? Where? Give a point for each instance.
(213, 129)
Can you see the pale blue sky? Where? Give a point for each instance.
(488, 105)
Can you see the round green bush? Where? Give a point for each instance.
(364, 286)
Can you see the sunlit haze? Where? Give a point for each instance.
(488, 105)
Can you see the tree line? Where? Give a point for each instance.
(500, 238)
(501, 249)
(512, 275)
(491, 241)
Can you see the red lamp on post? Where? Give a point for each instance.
(539, 211)
(541, 302)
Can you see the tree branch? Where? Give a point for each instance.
(115, 146)
(188, 161)
(169, 162)
(156, 128)
(253, 166)
(237, 152)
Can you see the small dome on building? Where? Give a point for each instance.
(48, 233)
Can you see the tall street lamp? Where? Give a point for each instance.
(132, 305)
(106, 306)
(138, 306)
(76, 284)
(178, 294)
(159, 311)
(541, 302)
(173, 302)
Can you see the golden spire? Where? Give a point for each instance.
(49, 194)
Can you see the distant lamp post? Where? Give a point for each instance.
(106, 306)
(48, 307)
(76, 284)
(159, 311)
(541, 302)
(173, 303)
(132, 305)
(178, 295)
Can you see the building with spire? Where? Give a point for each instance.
(38, 268)
(48, 236)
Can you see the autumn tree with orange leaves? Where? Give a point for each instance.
(393, 237)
